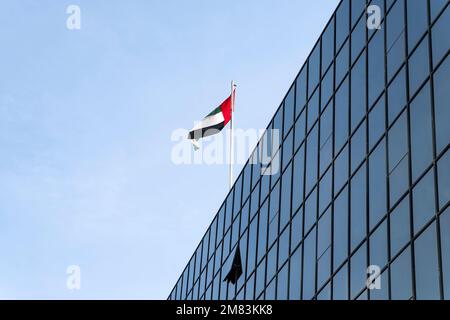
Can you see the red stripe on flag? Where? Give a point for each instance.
(226, 110)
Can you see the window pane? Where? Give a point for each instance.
(376, 66)
(418, 66)
(328, 45)
(300, 129)
(285, 211)
(396, 95)
(440, 35)
(436, 7)
(262, 233)
(379, 246)
(401, 287)
(358, 207)
(300, 92)
(417, 21)
(341, 115)
(287, 149)
(400, 232)
(325, 186)
(377, 184)
(313, 109)
(421, 139)
(444, 179)
(294, 275)
(340, 228)
(289, 110)
(376, 122)
(358, 39)
(282, 284)
(395, 46)
(342, 65)
(283, 246)
(309, 265)
(313, 69)
(326, 138)
(311, 159)
(398, 160)
(341, 170)
(358, 146)
(423, 201)
(358, 92)
(441, 107)
(327, 88)
(342, 22)
(296, 232)
(427, 270)
(358, 268)
(445, 251)
(340, 284)
(297, 197)
(311, 210)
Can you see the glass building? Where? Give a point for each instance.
(364, 175)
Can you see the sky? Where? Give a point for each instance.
(87, 176)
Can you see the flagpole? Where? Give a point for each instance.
(231, 135)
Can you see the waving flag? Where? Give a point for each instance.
(214, 122)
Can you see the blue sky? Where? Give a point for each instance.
(86, 116)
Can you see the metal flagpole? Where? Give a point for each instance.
(231, 135)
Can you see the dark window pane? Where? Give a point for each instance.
(325, 186)
(341, 170)
(358, 92)
(421, 139)
(358, 39)
(358, 268)
(427, 270)
(311, 210)
(401, 286)
(396, 95)
(417, 21)
(341, 115)
(296, 232)
(328, 45)
(377, 184)
(358, 207)
(400, 232)
(418, 66)
(282, 284)
(294, 275)
(398, 160)
(445, 251)
(297, 191)
(300, 99)
(340, 229)
(376, 66)
(342, 22)
(285, 211)
(342, 65)
(376, 122)
(326, 138)
(283, 246)
(423, 201)
(300, 129)
(289, 110)
(311, 159)
(313, 110)
(358, 146)
(314, 69)
(395, 46)
(262, 233)
(327, 88)
(379, 246)
(440, 35)
(309, 266)
(340, 284)
(441, 105)
(444, 179)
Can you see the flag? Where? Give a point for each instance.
(236, 268)
(213, 123)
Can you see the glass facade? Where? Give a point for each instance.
(364, 175)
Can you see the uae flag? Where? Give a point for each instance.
(214, 122)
